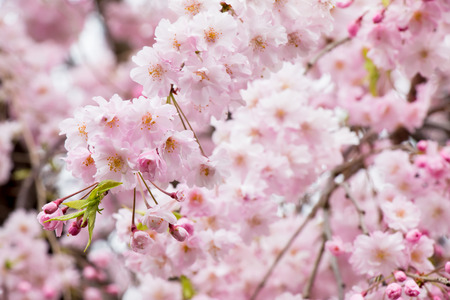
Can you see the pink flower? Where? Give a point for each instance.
(159, 217)
(420, 252)
(447, 267)
(393, 291)
(151, 165)
(413, 236)
(400, 276)
(140, 241)
(411, 288)
(336, 246)
(401, 214)
(52, 225)
(178, 232)
(378, 253)
(155, 72)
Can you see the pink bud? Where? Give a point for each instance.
(90, 273)
(149, 163)
(400, 276)
(438, 250)
(112, 289)
(402, 28)
(413, 236)
(353, 28)
(394, 291)
(24, 286)
(422, 146)
(447, 267)
(178, 195)
(91, 293)
(335, 246)
(379, 16)
(178, 232)
(186, 224)
(140, 241)
(344, 4)
(74, 229)
(445, 154)
(50, 208)
(411, 288)
(435, 167)
(49, 292)
(421, 161)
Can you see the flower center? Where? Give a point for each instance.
(115, 163)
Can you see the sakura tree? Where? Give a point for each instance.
(203, 149)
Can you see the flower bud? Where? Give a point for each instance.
(422, 146)
(112, 289)
(413, 236)
(411, 288)
(335, 246)
(393, 291)
(447, 267)
(421, 161)
(50, 208)
(178, 232)
(49, 292)
(445, 154)
(140, 241)
(90, 273)
(178, 195)
(187, 224)
(24, 286)
(74, 229)
(353, 28)
(149, 163)
(400, 276)
(378, 17)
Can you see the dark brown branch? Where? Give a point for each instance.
(310, 283)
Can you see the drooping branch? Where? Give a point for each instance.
(328, 48)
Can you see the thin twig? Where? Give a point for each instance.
(148, 189)
(187, 121)
(28, 182)
(435, 125)
(333, 260)
(133, 225)
(328, 48)
(423, 279)
(360, 212)
(312, 278)
(283, 251)
(324, 198)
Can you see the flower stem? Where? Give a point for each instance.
(148, 189)
(177, 106)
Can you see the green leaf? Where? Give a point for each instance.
(372, 73)
(92, 214)
(385, 3)
(177, 215)
(8, 264)
(187, 288)
(77, 204)
(141, 226)
(106, 185)
(67, 217)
